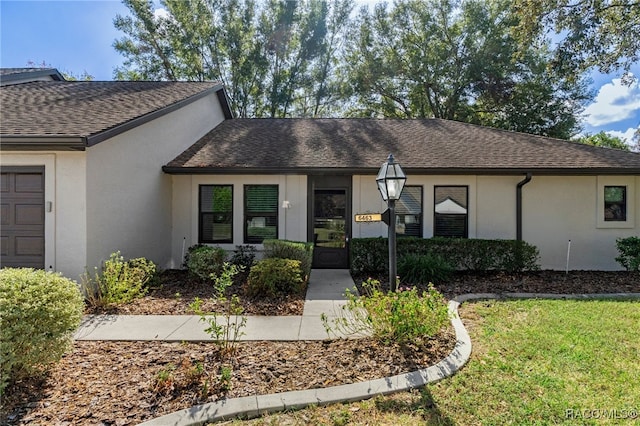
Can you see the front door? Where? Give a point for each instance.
(330, 223)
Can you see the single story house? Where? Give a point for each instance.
(151, 168)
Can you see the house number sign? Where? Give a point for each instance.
(368, 217)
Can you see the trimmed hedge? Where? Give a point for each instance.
(371, 255)
(39, 311)
(296, 250)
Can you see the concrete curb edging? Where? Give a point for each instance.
(253, 406)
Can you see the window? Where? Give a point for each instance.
(450, 211)
(216, 214)
(409, 212)
(615, 203)
(260, 213)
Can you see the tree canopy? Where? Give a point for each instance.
(452, 59)
(604, 140)
(601, 34)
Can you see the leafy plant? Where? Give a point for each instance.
(225, 377)
(203, 261)
(629, 253)
(119, 281)
(423, 268)
(296, 250)
(228, 329)
(273, 276)
(39, 311)
(403, 316)
(244, 256)
(164, 381)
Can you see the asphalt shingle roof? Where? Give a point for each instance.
(85, 109)
(428, 146)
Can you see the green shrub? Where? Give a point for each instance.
(629, 250)
(243, 257)
(370, 255)
(274, 276)
(423, 268)
(404, 316)
(296, 250)
(39, 311)
(202, 261)
(120, 281)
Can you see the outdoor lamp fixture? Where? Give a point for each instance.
(390, 182)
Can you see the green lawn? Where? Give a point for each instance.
(533, 362)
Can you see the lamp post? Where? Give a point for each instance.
(391, 180)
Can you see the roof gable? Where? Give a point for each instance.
(361, 145)
(77, 114)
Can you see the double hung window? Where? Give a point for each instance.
(409, 212)
(216, 214)
(451, 215)
(260, 213)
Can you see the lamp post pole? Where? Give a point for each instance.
(390, 181)
(393, 265)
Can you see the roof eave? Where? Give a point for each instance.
(586, 171)
(42, 143)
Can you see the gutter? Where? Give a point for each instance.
(522, 183)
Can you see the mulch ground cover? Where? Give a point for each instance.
(125, 383)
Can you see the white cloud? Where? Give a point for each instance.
(615, 102)
(160, 13)
(625, 136)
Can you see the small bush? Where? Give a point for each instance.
(404, 316)
(296, 250)
(423, 268)
(244, 256)
(203, 261)
(273, 276)
(39, 311)
(629, 250)
(120, 281)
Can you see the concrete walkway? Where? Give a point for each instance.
(324, 295)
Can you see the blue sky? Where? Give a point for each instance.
(77, 36)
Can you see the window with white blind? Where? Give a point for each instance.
(216, 214)
(451, 217)
(409, 212)
(260, 213)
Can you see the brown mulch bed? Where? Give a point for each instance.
(176, 290)
(122, 383)
(125, 383)
(554, 282)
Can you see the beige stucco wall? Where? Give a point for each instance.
(129, 198)
(65, 191)
(292, 221)
(555, 210)
(559, 209)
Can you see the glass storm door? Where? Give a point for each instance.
(330, 228)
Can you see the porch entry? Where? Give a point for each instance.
(329, 222)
